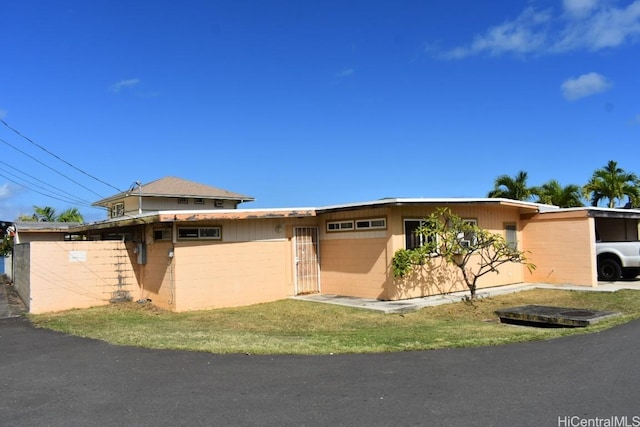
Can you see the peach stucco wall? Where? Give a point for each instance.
(357, 263)
(253, 262)
(355, 267)
(65, 275)
(156, 277)
(562, 246)
(214, 275)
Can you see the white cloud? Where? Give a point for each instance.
(523, 35)
(346, 72)
(579, 7)
(584, 85)
(584, 25)
(117, 87)
(5, 191)
(604, 28)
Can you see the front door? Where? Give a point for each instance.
(306, 260)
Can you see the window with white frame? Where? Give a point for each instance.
(413, 240)
(339, 225)
(371, 224)
(198, 201)
(511, 236)
(183, 201)
(117, 210)
(211, 233)
(469, 237)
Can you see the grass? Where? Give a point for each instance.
(299, 327)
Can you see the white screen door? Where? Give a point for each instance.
(306, 260)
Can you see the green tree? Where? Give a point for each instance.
(472, 249)
(70, 215)
(48, 214)
(514, 188)
(552, 193)
(6, 245)
(44, 214)
(613, 184)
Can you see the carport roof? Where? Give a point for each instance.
(599, 212)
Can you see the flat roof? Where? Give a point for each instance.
(600, 212)
(299, 212)
(44, 226)
(196, 215)
(537, 207)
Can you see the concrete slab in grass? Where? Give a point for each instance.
(548, 316)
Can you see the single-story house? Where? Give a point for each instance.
(207, 257)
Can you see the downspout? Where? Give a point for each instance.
(171, 277)
(171, 254)
(139, 184)
(142, 270)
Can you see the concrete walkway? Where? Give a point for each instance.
(9, 306)
(418, 303)
(4, 303)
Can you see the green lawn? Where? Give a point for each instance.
(299, 327)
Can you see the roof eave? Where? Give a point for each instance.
(239, 198)
(396, 202)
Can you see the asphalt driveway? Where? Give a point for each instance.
(51, 379)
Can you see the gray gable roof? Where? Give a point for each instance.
(171, 186)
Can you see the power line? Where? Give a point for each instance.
(50, 168)
(52, 189)
(58, 157)
(40, 192)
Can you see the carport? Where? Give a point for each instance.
(562, 243)
(616, 225)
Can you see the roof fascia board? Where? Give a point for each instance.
(203, 215)
(126, 221)
(394, 202)
(592, 212)
(195, 215)
(123, 196)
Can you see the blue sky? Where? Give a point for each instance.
(312, 103)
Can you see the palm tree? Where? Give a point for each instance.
(48, 214)
(45, 214)
(552, 193)
(70, 215)
(511, 188)
(613, 184)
